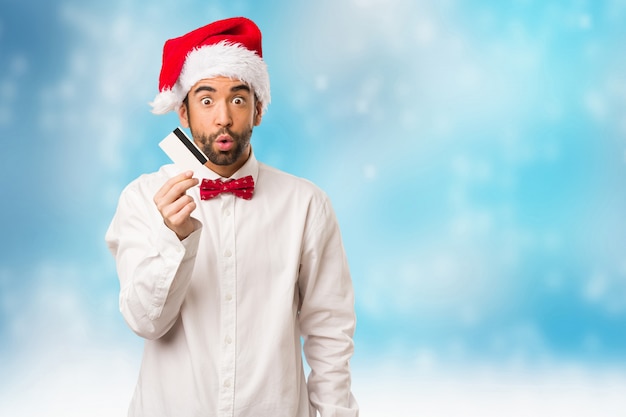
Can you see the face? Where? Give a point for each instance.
(221, 114)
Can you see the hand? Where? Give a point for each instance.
(175, 205)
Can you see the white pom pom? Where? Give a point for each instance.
(164, 102)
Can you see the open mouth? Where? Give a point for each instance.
(224, 143)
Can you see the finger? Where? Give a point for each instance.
(180, 218)
(175, 191)
(172, 210)
(165, 188)
(179, 189)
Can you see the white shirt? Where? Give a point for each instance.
(223, 312)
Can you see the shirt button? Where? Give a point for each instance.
(227, 383)
(226, 212)
(227, 253)
(228, 297)
(228, 340)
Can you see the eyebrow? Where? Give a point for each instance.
(240, 87)
(233, 89)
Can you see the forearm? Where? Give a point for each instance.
(328, 347)
(154, 283)
(154, 266)
(327, 319)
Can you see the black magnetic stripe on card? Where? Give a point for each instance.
(185, 140)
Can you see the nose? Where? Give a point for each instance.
(222, 115)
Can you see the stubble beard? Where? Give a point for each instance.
(240, 144)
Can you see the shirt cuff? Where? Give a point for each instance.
(170, 246)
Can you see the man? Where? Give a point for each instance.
(225, 283)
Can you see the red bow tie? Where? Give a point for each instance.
(243, 188)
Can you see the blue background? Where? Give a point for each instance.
(474, 152)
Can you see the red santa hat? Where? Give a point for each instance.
(229, 48)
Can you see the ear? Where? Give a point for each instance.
(183, 115)
(258, 112)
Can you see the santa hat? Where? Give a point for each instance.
(229, 48)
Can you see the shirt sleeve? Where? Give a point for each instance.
(327, 317)
(154, 267)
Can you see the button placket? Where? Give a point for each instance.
(228, 324)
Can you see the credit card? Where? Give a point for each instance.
(182, 151)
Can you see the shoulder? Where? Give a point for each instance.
(299, 195)
(275, 180)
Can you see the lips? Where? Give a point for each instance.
(224, 143)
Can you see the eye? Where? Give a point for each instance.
(239, 100)
(206, 101)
